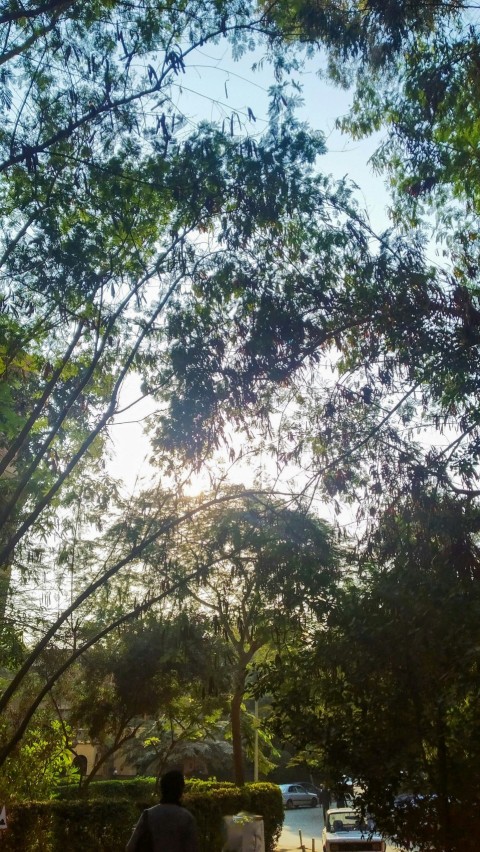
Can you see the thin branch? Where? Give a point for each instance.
(37, 34)
(358, 446)
(118, 742)
(11, 505)
(454, 444)
(109, 106)
(55, 6)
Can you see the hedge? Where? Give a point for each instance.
(102, 821)
(139, 789)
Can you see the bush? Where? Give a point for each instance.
(210, 801)
(99, 826)
(103, 819)
(139, 789)
(266, 799)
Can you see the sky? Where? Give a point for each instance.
(213, 88)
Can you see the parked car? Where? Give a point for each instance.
(295, 796)
(310, 788)
(345, 832)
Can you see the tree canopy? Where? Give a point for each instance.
(400, 324)
(252, 297)
(258, 569)
(105, 190)
(389, 690)
(160, 682)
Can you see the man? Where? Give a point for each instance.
(324, 801)
(167, 827)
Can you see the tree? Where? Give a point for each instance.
(43, 760)
(386, 322)
(390, 688)
(63, 641)
(266, 569)
(402, 331)
(101, 190)
(104, 197)
(157, 675)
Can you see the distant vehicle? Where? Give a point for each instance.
(295, 796)
(310, 788)
(344, 793)
(344, 832)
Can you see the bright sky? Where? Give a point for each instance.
(212, 89)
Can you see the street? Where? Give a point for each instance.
(310, 822)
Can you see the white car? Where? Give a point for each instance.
(295, 796)
(344, 832)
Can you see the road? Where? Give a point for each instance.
(310, 822)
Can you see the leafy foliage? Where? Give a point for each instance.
(230, 273)
(402, 331)
(42, 759)
(105, 824)
(106, 201)
(259, 569)
(147, 692)
(389, 691)
(102, 188)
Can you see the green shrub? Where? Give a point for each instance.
(40, 760)
(103, 819)
(102, 826)
(138, 789)
(209, 804)
(266, 800)
(210, 801)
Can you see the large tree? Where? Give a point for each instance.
(127, 241)
(102, 189)
(160, 680)
(259, 570)
(115, 592)
(402, 331)
(224, 268)
(388, 693)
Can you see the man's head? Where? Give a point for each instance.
(171, 787)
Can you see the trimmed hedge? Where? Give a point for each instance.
(103, 819)
(99, 826)
(139, 789)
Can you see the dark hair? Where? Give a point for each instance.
(171, 786)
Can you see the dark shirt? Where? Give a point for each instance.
(173, 829)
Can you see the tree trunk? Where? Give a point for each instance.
(5, 576)
(235, 717)
(443, 800)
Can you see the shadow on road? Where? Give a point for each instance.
(307, 820)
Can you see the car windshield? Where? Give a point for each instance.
(349, 821)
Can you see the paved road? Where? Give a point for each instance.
(310, 822)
